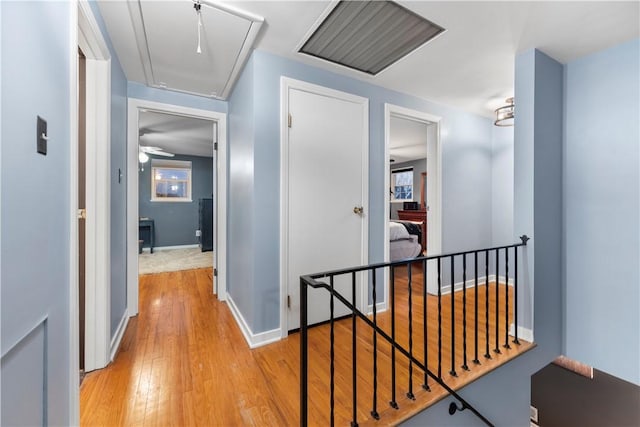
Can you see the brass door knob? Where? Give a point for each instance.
(358, 210)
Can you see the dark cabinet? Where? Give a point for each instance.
(205, 214)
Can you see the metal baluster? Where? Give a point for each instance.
(425, 385)
(486, 303)
(304, 356)
(515, 297)
(374, 412)
(410, 394)
(453, 323)
(332, 354)
(475, 265)
(497, 349)
(439, 321)
(354, 358)
(464, 312)
(506, 312)
(393, 402)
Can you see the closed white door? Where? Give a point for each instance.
(326, 170)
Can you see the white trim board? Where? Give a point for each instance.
(434, 214)
(87, 35)
(523, 333)
(381, 307)
(220, 180)
(117, 337)
(471, 283)
(168, 248)
(253, 340)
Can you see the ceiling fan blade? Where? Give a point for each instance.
(161, 153)
(149, 149)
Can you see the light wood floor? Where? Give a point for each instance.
(183, 361)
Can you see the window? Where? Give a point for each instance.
(402, 184)
(171, 181)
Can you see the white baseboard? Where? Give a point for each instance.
(380, 307)
(117, 338)
(523, 333)
(471, 283)
(168, 248)
(253, 340)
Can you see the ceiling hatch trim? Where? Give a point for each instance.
(367, 37)
(255, 23)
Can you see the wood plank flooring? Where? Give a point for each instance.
(183, 361)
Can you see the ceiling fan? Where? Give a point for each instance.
(156, 151)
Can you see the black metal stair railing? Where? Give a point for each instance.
(311, 281)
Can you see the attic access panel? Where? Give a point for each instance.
(369, 36)
(171, 34)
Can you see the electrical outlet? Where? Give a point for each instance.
(534, 414)
(197, 233)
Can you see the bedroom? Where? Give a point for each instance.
(175, 196)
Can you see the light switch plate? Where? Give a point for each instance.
(534, 414)
(41, 136)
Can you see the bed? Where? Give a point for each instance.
(404, 240)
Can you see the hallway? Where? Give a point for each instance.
(183, 361)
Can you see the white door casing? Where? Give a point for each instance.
(324, 176)
(98, 200)
(434, 184)
(219, 182)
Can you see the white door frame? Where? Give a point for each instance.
(85, 33)
(434, 214)
(286, 84)
(220, 179)
(98, 188)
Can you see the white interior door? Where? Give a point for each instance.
(326, 166)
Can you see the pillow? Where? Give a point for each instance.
(397, 231)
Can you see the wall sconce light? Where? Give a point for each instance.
(505, 114)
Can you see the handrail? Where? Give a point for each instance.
(524, 240)
(315, 284)
(312, 281)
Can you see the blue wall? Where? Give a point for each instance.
(176, 222)
(502, 185)
(36, 206)
(140, 91)
(466, 186)
(503, 395)
(241, 208)
(601, 210)
(118, 186)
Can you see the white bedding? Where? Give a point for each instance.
(398, 231)
(406, 248)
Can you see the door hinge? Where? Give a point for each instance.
(289, 120)
(215, 146)
(215, 272)
(288, 301)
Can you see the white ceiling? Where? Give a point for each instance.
(176, 134)
(407, 140)
(156, 43)
(469, 66)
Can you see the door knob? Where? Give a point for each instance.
(358, 210)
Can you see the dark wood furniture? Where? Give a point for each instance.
(205, 215)
(147, 233)
(418, 215)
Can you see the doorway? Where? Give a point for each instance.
(176, 192)
(146, 135)
(424, 200)
(324, 194)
